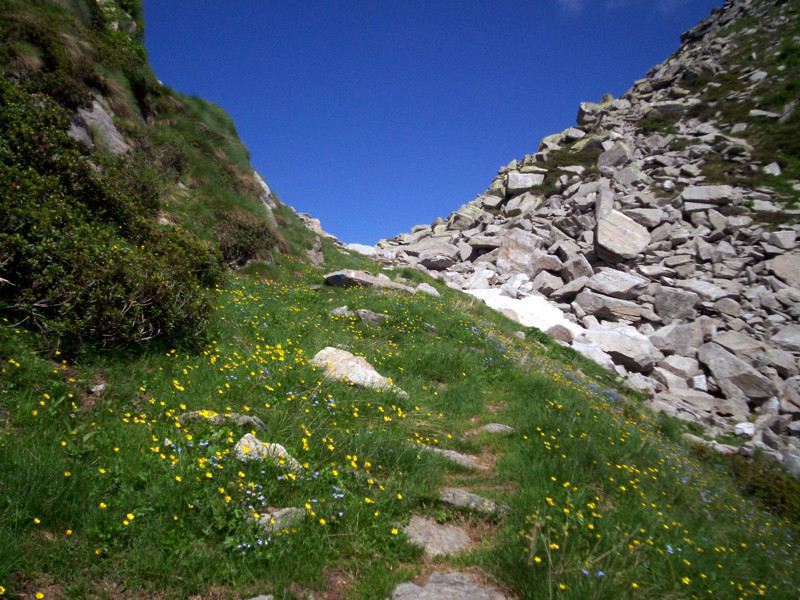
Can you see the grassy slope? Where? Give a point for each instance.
(106, 494)
(109, 491)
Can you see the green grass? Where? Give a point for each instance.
(632, 494)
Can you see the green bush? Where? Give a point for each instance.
(78, 244)
(242, 236)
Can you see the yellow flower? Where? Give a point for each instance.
(177, 477)
(130, 516)
(69, 531)
(39, 595)
(399, 496)
(635, 586)
(36, 520)
(394, 531)
(322, 521)
(537, 560)
(102, 505)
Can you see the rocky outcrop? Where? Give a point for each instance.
(662, 271)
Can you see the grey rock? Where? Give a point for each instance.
(737, 379)
(463, 460)
(97, 121)
(570, 290)
(678, 338)
(349, 278)
(714, 194)
(617, 284)
(672, 304)
(452, 586)
(342, 365)
(214, 418)
(740, 344)
(251, 448)
(560, 333)
(464, 499)
(681, 366)
(618, 237)
(707, 291)
(647, 217)
(370, 318)
(787, 267)
(788, 338)
(547, 283)
(522, 182)
(426, 288)
(436, 539)
(281, 519)
(784, 362)
(342, 311)
(497, 428)
(576, 268)
(617, 156)
(626, 346)
(606, 307)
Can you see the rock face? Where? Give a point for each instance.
(651, 266)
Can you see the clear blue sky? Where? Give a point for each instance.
(378, 115)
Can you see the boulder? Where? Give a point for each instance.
(617, 284)
(679, 338)
(626, 346)
(787, 267)
(672, 304)
(618, 237)
(618, 155)
(546, 283)
(788, 337)
(606, 307)
(522, 182)
(426, 288)
(217, 419)
(251, 448)
(737, 380)
(340, 364)
(740, 344)
(464, 499)
(349, 278)
(576, 267)
(713, 194)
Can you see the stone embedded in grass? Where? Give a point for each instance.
(342, 311)
(341, 364)
(281, 519)
(250, 448)
(349, 278)
(499, 428)
(426, 288)
(370, 318)
(436, 539)
(463, 460)
(464, 499)
(450, 586)
(220, 419)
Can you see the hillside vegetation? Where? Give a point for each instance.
(119, 317)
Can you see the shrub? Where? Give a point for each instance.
(242, 236)
(77, 241)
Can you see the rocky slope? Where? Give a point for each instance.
(663, 227)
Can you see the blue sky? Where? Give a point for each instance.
(375, 116)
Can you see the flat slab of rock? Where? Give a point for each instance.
(370, 318)
(715, 194)
(737, 379)
(426, 288)
(341, 364)
(626, 346)
(617, 284)
(498, 428)
(463, 460)
(450, 586)
(436, 539)
(349, 278)
(464, 499)
(787, 267)
(215, 418)
(618, 237)
(789, 338)
(251, 448)
(606, 307)
(281, 519)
